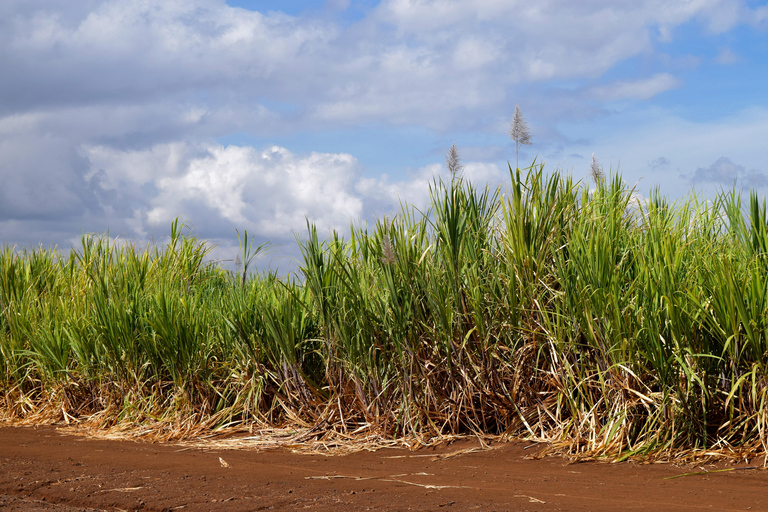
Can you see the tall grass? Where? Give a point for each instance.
(607, 325)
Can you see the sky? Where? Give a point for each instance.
(118, 116)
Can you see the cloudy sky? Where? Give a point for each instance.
(121, 115)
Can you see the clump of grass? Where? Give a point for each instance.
(607, 326)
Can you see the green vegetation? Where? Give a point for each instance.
(612, 326)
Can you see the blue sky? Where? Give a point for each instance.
(121, 115)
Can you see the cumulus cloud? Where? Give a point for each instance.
(659, 163)
(725, 172)
(384, 196)
(270, 192)
(218, 188)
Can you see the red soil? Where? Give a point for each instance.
(43, 470)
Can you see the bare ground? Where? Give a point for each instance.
(42, 469)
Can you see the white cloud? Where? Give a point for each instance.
(425, 62)
(124, 50)
(726, 56)
(759, 16)
(723, 171)
(637, 89)
(383, 195)
(728, 174)
(271, 192)
(567, 38)
(472, 53)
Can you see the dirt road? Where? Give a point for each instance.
(43, 470)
